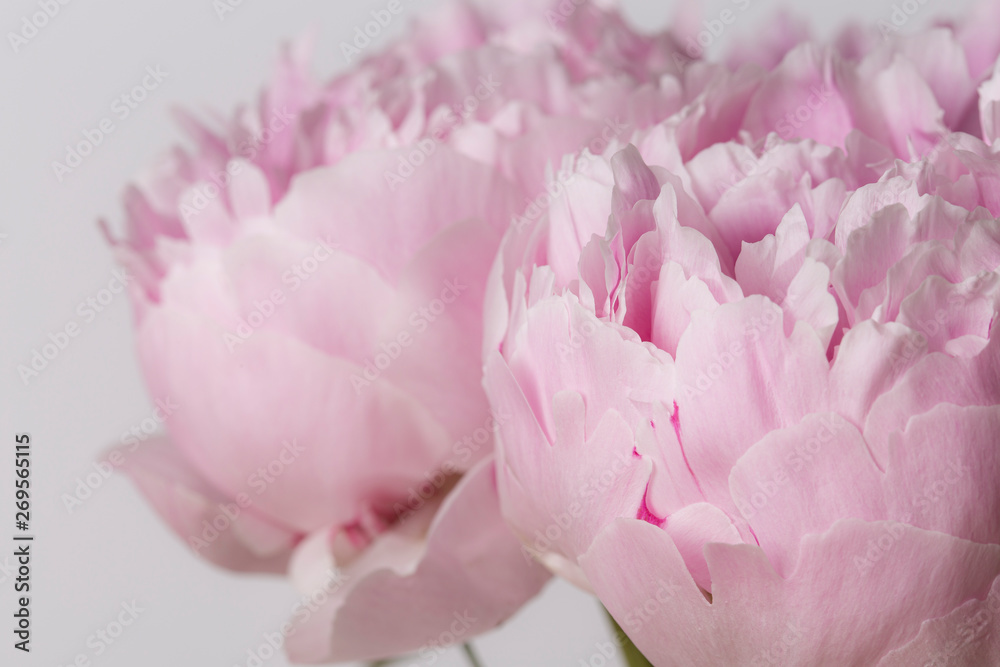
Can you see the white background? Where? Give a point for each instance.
(113, 549)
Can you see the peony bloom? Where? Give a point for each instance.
(309, 291)
(752, 366)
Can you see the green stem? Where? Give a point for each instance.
(471, 655)
(633, 657)
(381, 663)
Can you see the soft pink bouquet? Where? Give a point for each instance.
(734, 322)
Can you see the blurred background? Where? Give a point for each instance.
(107, 550)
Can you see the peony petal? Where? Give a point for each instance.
(739, 355)
(936, 378)
(241, 420)
(226, 530)
(989, 107)
(470, 575)
(871, 358)
(340, 201)
(584, 479)
(942, 469)
(801, 98)
(969, 635)
(432, 334)
(793, 482)
(692, 528)
(828, 611)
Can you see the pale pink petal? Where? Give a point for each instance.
(864, 607)
(739, 355)
(968, 635)
(800, 98)
(783, 485)
(942, 472)
(989, 107)
(274, 403)
(871, 358)
(227, 530)
(563, 517)
(694, 526)
(936, 378)
(469, 576)
(338, 201)
(432, 335)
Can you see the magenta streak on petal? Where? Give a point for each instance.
(645, 514)
(750, 528)
(675, 419)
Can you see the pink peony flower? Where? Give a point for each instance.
(752, 367)
(309, 291)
